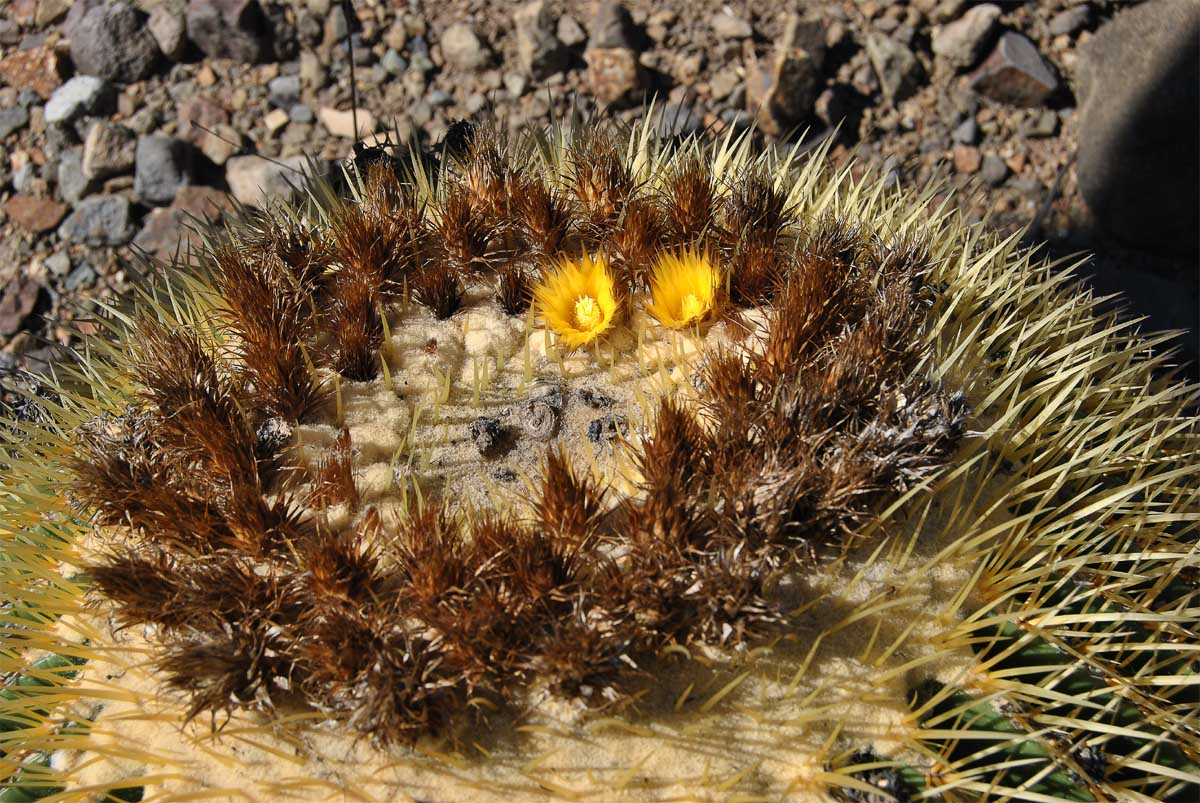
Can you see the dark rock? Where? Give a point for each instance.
(99, 220)
(108, 150)
(111, 41)
(539, 52)
(960, 44)
(17, 303)
(994, 171)
(233, 29)
(607, 428)
(782, 90)
(595, 399)
(611, 26)
(12, 120)
(83, 94)
(1067, 22)
(487, 434)
(168, 26)
(1137, 163)
(163, 166)
(504, 474)
(1015, 73)
(34, 214)
(900, 73)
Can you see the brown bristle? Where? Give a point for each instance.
(464, 230)
(757, 268)
(833, 238)
(333, 480)
(755, 208)
(806, 310)
(569, 504)
(354, 325)
(345, 565)
(302, 254)
(602, 181)
(488, 173)
(439, 288)
(513, 290)
(543, 215)
(635, 241)
(689, 202)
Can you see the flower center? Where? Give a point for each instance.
(588, 314)
(692, 307)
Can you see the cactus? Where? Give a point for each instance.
(888, 510)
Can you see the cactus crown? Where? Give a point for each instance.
(753, 554)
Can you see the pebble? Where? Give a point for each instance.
(727, 26)
(341, 123)
(163, 167)
(83, 94)
(83, 276)
(230, 29)
(611, 26)
(112, 42)
(169, 29)
(966, 158)
(284, 91)
(59, 264)
(570, 32)
(783, 91)
(539, 52)
(254, 180)
(900, 73)
(994, 171)
(1015, 73)
(515, 84)
(17, 304)
(36, 68)
(1044, 124)
(1069, 21)
(23, 177)
(34, 214)
(73, 185)
(960, 44)
(966, 132)
(223, 143)
(108, 150)
(393, 63)
(12, 120)
(462, 49)
(613, 73)
(275, 120)
(607, 428)
(301, 113)
(99, 220)
(676, 120)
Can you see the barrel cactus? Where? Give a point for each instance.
(586, 465)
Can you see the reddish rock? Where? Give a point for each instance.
(37, 69)
(613, 73)
(17, 303)
(202, 202)
(35, 214)
(966, 158)
(1015, 73)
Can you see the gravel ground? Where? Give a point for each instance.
(104, 149)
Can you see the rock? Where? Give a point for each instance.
(960, 44)
(301, 113)
(83, 94)
(49, 12)
(1067, 22)
(782, 92)
(1043, 125)
(37, 69)
(275, 120)
(487, 434)
(59, 264)
(611, 25)
(168, 231)
(676, 120)
(515, 84)
(108, 150)
(570, 32)
(99, 220)
(197, 114)
(284, 91)
(112, 42)
(539, 52)
(724, 83)
(254, 181)
(163, 167)
(17, 304)
(613, 73)
(966, 132)
(393, 63)
(1137, 162)
(462, 49)
(223, 143)
(10, 32)
(727, 26)
(966, 158)
(341, 123)
(35, 214)
(23, 177)
(168, 26)
(943, 11)
(1015, 73)
(233, 29)
(13, 120)
(899, 72)
(83, 276)
(73, 185)
(994, 171)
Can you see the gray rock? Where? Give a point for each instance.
(393, 62)
(899, 72)
(83, 94)
(676, 120)
(782, 89)
(1015, 73)
(1137, 163)
(570, 32)
(82, 276)
(168, 26)
(611, 26)
(539, 52)
(100, 220)
(1044, 124)
(1067, 22)
(966, 132)
(23, 177)
(108, 150)
(300, 113)
(73, 185)
(960, 44)
(233, 29)
(439, 99)
(515, 84)
(254, 181)
(112, 41)
(994, 171)
(27, 98)
(727, 26)
(284, 91)
(164, 166)
(462, 49)
(12, 120)
(59, 264)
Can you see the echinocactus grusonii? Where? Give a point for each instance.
(416, 490)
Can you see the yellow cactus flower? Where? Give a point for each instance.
(683, 287)
(578, 299)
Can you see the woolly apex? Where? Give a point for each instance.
(331, 512)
